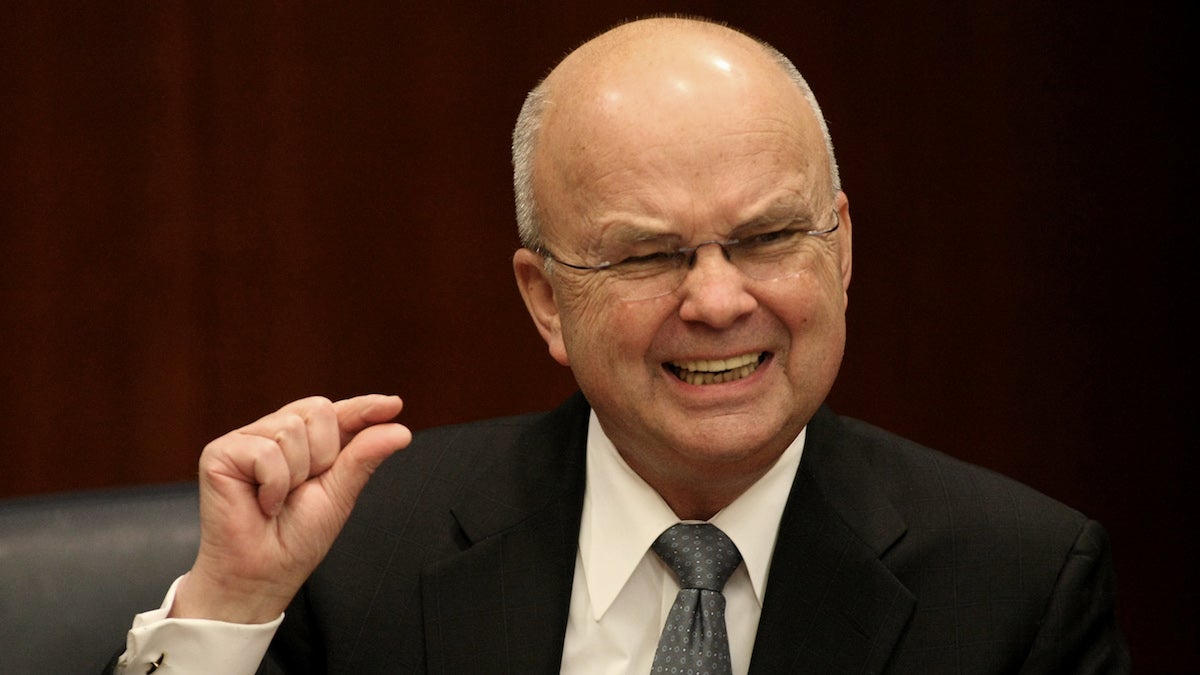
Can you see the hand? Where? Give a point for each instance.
(273, 497)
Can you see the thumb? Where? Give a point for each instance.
(358, 460)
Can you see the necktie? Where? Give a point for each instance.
(694, 638)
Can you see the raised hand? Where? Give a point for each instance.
(273, 497)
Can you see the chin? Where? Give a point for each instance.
(727, 441)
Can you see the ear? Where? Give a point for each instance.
(538, 293)
(842, 204)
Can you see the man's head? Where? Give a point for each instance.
(664, 134)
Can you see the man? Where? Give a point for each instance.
(687, 252)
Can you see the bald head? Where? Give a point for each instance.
(648, 82)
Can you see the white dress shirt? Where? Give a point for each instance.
(623, 592)
(193, 646)
(620, 598)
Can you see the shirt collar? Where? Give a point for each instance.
(615, 538)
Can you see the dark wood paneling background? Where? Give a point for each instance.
(212, 208)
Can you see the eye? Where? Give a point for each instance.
(772, 238)
(647, 264)
(648, 259)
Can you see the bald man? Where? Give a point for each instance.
(687, 253)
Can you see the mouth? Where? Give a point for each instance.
(716, 371)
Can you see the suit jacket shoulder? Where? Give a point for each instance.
(908, 560)
(459, 544)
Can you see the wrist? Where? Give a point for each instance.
(198, 596)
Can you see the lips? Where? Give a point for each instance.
(716, 371)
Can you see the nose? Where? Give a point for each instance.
(714, 291)
(700, 247)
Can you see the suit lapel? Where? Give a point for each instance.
(831, 605)
(501, 605)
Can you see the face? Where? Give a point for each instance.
(695, 155)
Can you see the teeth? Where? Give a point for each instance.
(719, 365)
(716, 371)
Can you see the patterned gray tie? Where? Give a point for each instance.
(694, 639)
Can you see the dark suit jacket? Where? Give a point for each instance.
(893, 558)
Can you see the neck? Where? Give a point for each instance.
(698, 494)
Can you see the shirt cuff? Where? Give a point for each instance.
(184, 646)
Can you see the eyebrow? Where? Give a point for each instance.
(781, 212)
(777, 215)
(624, 232)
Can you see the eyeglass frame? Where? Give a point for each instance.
(685, 253)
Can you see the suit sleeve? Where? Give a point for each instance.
(297, 648)
(1078, 632)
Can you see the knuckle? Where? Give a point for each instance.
(289, 426)
(226, 445)
(313, 405)
(319, 401)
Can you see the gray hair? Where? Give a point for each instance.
(529, 122)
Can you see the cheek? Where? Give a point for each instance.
(587, 320)
(584, 309)
(606, 332)
(816, 320)
(827, 287)
(813, 313)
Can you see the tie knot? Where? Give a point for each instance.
(702, 555)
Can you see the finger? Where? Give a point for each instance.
(289, 429)
(273, 474)
(356, 414)
(255, 462)
(324, 436)
(321, 428)
(376, 443)
(359, 459)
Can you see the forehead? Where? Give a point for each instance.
(675, 131)
(683, 174)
